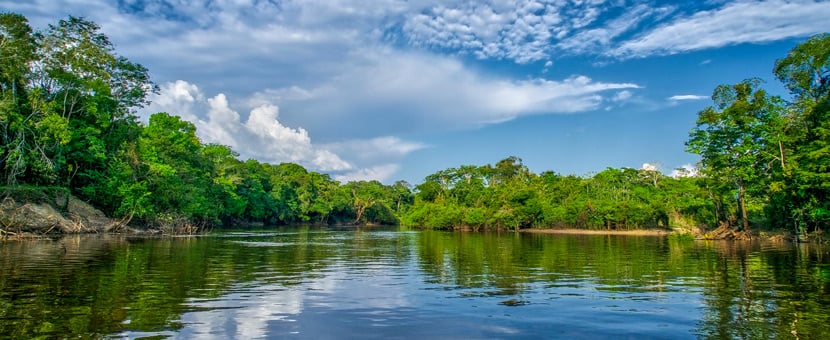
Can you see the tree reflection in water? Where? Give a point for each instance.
(390, 282)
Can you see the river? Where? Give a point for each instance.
(390, 283)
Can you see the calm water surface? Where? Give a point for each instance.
(323, 283)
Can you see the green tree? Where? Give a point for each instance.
(28, 123)
(226, 172)
(363, 195)
(176, 172)
(732, 136)
(805, 71)
(67, 106)
(255, 188)
(401, 192)
(805, 192)
(95, 91)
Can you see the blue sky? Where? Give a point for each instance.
(397, 89)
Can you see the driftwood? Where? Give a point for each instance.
(726, 232)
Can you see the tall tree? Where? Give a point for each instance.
(27, 122)
(732, 136)
(95, 91)
(805, 71)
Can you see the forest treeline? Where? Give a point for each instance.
(68, 120)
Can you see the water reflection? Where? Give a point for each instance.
(323, 283)
(777, 292)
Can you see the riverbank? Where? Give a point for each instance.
(766, 235)
(637, 232)
(39, 211)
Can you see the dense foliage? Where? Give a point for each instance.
(68, 119)
(508, 195)
(764, 149)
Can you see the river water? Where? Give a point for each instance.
(330, 283)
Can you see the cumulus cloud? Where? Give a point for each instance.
(734, 23)
(264, 137)
(650, 167)
(261, 136)
(281, 142)
(685, 170)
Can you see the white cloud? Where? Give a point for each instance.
(375, 149)
(179, 97)
(650, 167)
(734, 23)
(308, 39)
(276, 142)
(685, 170)
(681, 97)
(264, 137)
(598, 39)
(622, 96)
(407, 92)
(516, 30)
(380, 171)
(222, 125)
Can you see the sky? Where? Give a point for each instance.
(399, 89)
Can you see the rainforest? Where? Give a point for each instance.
(69, 124)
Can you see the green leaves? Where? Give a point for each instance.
(67, 104)
(737, 139)
(490, 197)
(17, 49)
(805, 71)
(769, 150)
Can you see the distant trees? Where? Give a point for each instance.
(508, 195)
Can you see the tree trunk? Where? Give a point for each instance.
(742, 206)
(781, 151)
(716, 205)
(359, 213)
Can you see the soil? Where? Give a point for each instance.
(638, 232)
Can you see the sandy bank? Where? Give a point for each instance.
(640, 232)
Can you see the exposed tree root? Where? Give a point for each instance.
(726, 232)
